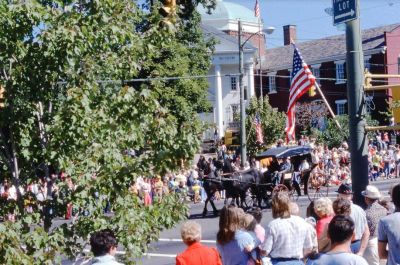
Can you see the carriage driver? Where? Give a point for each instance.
(284, 167)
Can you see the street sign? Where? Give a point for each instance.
(343, 11)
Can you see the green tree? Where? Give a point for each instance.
(272, 124)
(333, 136)
(58, 115)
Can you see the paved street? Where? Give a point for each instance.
(163, 252)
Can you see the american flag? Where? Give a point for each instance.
(259, 133)
(302, 81)
(257, 9)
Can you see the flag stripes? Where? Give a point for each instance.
(302, 81)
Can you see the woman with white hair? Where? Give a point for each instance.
(196, 253)
(323, 209)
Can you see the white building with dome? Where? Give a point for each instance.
(224, 92)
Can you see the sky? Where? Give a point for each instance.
(313, 22)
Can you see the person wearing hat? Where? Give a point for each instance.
(374, 213)
(360, 240)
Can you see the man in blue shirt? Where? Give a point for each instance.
(340, 232)
(389, 232)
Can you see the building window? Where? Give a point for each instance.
(272, 83)
(340, 73)
(341, 107)
(367, 64)
(234, 83)
(235, 112)
(316, 73)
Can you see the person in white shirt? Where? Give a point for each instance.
(287, 237)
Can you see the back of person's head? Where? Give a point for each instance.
(340, 229)
(323, 207)
(102, 241)
(248, 222)
(342, 206)
(310, 212)
(280, 205)
(191, 232)
(257, 214)
(230, 221)
(395, 194)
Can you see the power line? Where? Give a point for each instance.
(168, 78)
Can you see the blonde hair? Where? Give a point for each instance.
(280, 205)
(191, 232)
(247, 220)
(323, 207)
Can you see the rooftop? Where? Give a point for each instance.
(228, 11)
(325, 49)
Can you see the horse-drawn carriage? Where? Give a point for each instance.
(291, 179)
(255, 186)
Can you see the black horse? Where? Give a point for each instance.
(236, 184)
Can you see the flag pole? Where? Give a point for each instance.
(327, 105)
(259, 58)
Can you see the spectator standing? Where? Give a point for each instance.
(196, 253)
(288, 238)
(340, 231)
(389, 232)
(361, 230)
(104, 246)
(231, 237)
(323, 208)
(374, 212)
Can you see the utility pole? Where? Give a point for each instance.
(356, 107)
(243, 156)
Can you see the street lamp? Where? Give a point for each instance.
(243, 148)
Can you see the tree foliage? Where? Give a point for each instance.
(72, 104)
(332, 136)
(272, 124)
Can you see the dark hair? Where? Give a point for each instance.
(310, 212)
(342, 206)
(395, 193)
(340, 228)
(102, 241)
(257, 214)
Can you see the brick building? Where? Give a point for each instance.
(326, 58)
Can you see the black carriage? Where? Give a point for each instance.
(292, 179)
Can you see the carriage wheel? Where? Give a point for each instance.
(293, 194)
(249, 201)
(317, 187)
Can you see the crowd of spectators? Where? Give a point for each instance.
(333, 233)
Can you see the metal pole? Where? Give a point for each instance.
(242, 107)
(358, 137)
(259, 57)
(327, 105)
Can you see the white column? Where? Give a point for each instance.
(218, 101)
(250, 80)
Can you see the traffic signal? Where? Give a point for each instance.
(231, 138)
(2, 90)
(311, 91)
(168, 12)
